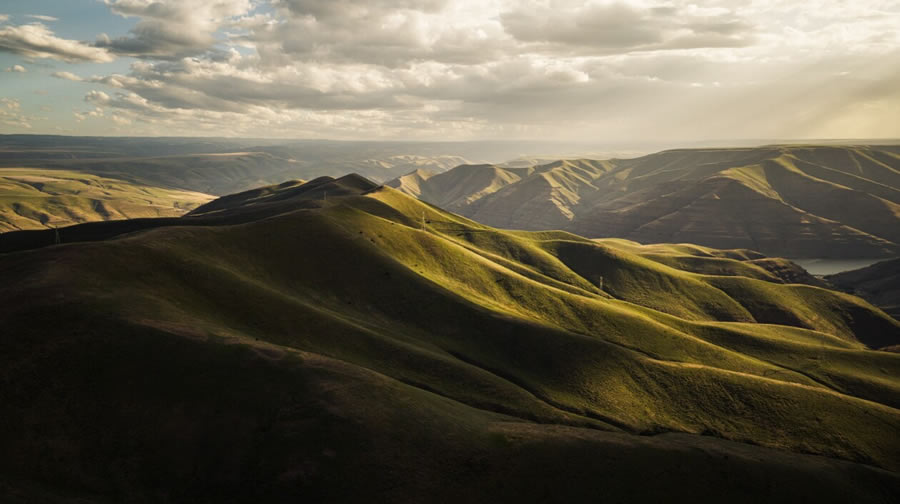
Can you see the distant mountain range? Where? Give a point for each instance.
(226, 165)
(337, 340)
(791, 201)
(229, 172)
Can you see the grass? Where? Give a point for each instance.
(32, 198)
(285, 355)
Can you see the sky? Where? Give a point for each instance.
(453, 69)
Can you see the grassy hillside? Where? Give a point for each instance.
(460, 187)
(278, 345)
(35, 199)
(793, 201)
(546, 199)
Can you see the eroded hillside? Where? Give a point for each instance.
(793, 201)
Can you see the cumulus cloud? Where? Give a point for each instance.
(16, 69)
(37, 41)
(171, 29)
(386, 33)
(97, 97)
(67, 76)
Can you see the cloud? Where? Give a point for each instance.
(146, 117)
(11, 114)
(171, 29)
(37, 41)
(16, 69)
(42, 17)
(67, 76)
(468, 68)
(4, 18)
(120, 120)
(380, 32)
(343, 9)
(97, 97)
(590, 28)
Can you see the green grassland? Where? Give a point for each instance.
(280, 345)
(32, 198)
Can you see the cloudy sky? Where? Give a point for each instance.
(453, 69)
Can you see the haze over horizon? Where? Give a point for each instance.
(675, 71)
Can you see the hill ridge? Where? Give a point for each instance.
(853, 188)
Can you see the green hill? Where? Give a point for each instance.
(279, 345)
(790, 201)
(32, 198)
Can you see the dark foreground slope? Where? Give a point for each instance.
(878, 283)
(278, 346)
(788, 201)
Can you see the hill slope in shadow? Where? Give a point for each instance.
(878, 283)
(279, 344)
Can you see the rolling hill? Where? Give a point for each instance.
(789, 201)
(278, 345)
(35, 199)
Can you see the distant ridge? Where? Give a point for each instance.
(216, 166)
(793, 201)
